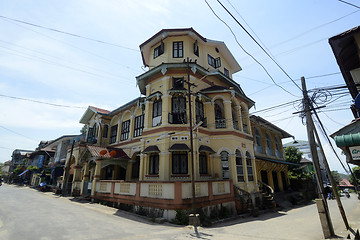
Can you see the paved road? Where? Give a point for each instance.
(28, 214)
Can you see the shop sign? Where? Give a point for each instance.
(355, 152)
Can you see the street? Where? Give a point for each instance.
(29, 214)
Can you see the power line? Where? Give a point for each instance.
(312, 29)
(36, 101)
(40, 59)
(272, 79)
(266, 52)
(70, 34)
(73, 46)
(349, 3)
(18, 134)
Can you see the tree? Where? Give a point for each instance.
(84, 129)
(292, 154)
(356, 181)
(336, 176)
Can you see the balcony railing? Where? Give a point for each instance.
(220, 123)
(236, 124)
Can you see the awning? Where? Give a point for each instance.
(347, 140)
(179, 147)
(204, 148)
(120, 162)
(276, 161)
(151, 149)
(23, 172)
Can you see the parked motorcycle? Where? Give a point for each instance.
(44, 187)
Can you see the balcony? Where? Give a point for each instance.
(236, 124)
(91, 139)
(220, 123)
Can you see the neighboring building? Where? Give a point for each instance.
(271, 167)
(347, 139)
(6, 167)
(307, 165)
(304, 147)
(344, 183)
(346, 48)
(140, 153)
(18, 157)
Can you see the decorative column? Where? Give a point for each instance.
(148, 115)
(142, 161)
(85, 178)
(232, 167)
(164, 166)
(238, 109)
(228, 115)
(96, 176)
(210, 114)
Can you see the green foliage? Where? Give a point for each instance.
(182, 217)
(300, 175)
(336, 176)
(292, 154)
(32, 168)
(84, 129)
(356, 180)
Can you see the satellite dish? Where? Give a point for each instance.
(357, 101)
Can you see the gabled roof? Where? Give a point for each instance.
(90, 111)
(261, 120)
(164, 33)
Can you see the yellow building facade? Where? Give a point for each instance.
(140, 153)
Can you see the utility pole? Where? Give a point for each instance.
(193, 218)
(321, 203)
(332, 181)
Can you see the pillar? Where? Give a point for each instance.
(96, 176)
(210, 114)
(85, 178)
(228, 115)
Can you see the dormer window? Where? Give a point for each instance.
(159, 50)
(178, 49)
(196, 48)
(214, 62)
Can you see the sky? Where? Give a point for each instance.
(91, 57)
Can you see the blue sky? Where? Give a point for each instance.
(52, 67)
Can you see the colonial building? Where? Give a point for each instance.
(141, 154)
(271, 167)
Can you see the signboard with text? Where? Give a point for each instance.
(355, 152)
(41, 161)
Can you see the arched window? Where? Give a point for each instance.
(277, 148)
(105, 131)
(199, 112)
(178, 110)
(268, 145)
(258, 143)
(225, 165)
(92, 137)
(235, 118)
(239, 167)
(220, 121)
(245, 118)
(249, 167)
